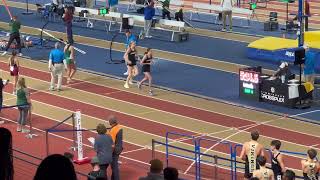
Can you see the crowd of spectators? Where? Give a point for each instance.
(108, 146)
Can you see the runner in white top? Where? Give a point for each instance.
(310, 167)
(263, 173)
(250, 151)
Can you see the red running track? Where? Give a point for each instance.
(179, 109)
(36, 147)
(162, 105)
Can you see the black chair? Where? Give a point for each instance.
(273, 17)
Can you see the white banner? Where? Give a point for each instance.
(77, 118)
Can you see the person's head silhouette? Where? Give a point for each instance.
(55, 167)
(6, 162)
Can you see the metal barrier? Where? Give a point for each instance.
(228, 144)
(52, 129)
(38, 159)
(196, 150)
(197, 141)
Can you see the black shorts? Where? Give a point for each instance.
(133, 63)
(145, 68)
(247, 173)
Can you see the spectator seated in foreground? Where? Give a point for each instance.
(170, 173)
(156, 167)
(55, 167)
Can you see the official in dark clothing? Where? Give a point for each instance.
(67, 18)
(179, 15)
(116, 134)
(103, 147)
(165, 9)
(14, 35)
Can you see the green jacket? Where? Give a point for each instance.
(15, 26)
(165, 4)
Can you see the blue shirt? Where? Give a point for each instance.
(113, 3)
(130, 39)
(309, 64)
(149, 12)
(103, 147)
(57, 56)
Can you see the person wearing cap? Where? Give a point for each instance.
(103, 147)
(156, 167)
(57, 64)
(309, 66)
(116, 134)
(129, 38)
(95, 169)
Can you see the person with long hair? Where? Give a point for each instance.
(24, 105)
(14, 69)
(55, 167)
(69, 55)
(130, 57)
(6, 160)
(146, 69)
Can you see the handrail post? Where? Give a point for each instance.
(197, 159)
(167, 149)
(47, 142)
(231, 163)
(215, 165)
(152, 150)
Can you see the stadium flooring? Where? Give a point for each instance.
(182, 103)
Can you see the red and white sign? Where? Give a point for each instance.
(249, 76)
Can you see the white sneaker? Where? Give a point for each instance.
(1, 122)
(4, 53)
(51, 89)
(130, 82)
(126, 85)
(151, 93)
(148, 36)
(126, 73)
(20, 54)
(14, 92)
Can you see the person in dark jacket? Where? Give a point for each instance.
(165, 9)
(179, 15)
(95, 173)
(156, 167)
(67, 18)
(116, 134)
(149, 13)
(103, 147)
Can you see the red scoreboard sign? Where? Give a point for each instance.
(249, 84)
(249, 76)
